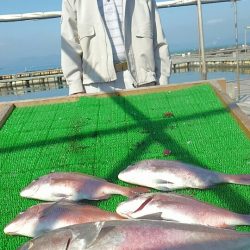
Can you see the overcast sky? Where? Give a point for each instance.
(28, 44)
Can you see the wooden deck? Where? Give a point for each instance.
(243, 101)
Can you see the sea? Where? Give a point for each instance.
(181, 76)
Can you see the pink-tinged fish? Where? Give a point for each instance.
(75, 187)
(180, 208)
(45, 217)
(140, 234)
(170, 175)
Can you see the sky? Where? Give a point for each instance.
(30, 45)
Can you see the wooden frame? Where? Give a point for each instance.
(219, 86)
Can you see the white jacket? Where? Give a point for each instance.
(86, 50)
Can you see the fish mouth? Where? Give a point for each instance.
(25, 193)
(9, 229)
(29, 191)
(124, 214)
(124, 176)
(120, 175)
(122, 211)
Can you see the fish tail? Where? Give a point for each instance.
(243, 179)
(242, 220)
(134, 191)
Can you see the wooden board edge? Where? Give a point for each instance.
(5, 112)
(242, 119)
(136, 91)
(39, 102)
(219, 85)
(152, 89)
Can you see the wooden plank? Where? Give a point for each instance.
(148, 90)
(5, 111)
(46, 101)
(136, 91)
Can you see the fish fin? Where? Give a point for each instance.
(135, 191)
(243, 179)
(62, 196)
(163, 184)
(87, 239)
(53, 205)
(47, 210)
(166, 218)
(65, 201)
(153, 216)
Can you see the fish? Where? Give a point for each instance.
(74, 187)
(48, 216)
(140, 234)
(180, 208)
(167, 175)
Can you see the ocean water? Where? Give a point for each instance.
(229, 76)
(177, 77)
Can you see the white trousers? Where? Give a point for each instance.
(124, 81)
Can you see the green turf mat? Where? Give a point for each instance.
(102, 136)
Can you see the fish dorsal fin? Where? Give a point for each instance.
(85, 240)
(53, 205)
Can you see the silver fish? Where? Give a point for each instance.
(171, 175)
(180, 208)
(45, 217)
(140, 234)
(75, 187)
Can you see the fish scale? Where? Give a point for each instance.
(75, 187)
(52, 215)
(140, 234)
(171, 175)
(184, 209)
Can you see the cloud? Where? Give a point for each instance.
(214, 21)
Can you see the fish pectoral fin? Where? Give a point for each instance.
(89, 237)
(53, 205)
(163, 184)
(62, 196)
(165, 217)
(153, 216)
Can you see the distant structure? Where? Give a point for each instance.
(57, 14)
(165, 4)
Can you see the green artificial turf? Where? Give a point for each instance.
(102, 136)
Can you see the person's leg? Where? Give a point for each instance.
(124, 81)
(99, 87)
(128, 80)
(116, 85)
(131, 84)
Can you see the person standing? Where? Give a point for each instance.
(108, 45)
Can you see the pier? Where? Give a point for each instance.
(31, 82)
(218, 57)
(34, 81)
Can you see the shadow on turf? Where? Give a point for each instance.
(144, 123)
